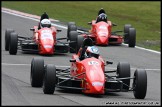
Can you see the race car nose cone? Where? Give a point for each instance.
(98, 86)
(103, 40)
(48, 48)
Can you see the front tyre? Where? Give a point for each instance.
(140, 84)
(73, 36)
(37, 72)
(132, 37)
(123, 71)
(126, 32)
(71, 27)
(7, 38)
(49, 79)
(79, 41)
(13, 43)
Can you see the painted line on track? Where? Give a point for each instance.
(36, 18)
(144, 49)
(10, 64)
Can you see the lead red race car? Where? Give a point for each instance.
(43, 40)
(101, 32)
(88, 74)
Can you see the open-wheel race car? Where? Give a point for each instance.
(87, 73)
(101, 32)
(43, 40)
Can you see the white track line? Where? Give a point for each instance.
(144, 49)
(29, 16)
(10, 64)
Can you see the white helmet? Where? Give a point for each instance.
(92, 51)
(45, 23)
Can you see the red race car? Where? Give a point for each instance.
(88, 74)
(43, 41)
(101, 32)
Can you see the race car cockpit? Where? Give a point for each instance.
(101, 16)
(87, 43)
(92, 51)
(43, 16)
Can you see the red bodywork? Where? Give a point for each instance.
(101, 33)
(93, 79)
(46, 39)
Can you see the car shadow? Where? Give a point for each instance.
(47, 55)
(73, 91)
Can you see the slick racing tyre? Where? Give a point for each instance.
(79, 40)
(140, 84)
(126, 32)
(49, 80)
(7, 38)
(13, 43)
(123, 71)
(71, 27)
(37, 72)
(73, 36)
(132, 37)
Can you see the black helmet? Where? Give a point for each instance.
(101, 11)
(102, 17)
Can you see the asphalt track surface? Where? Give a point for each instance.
(15, 73)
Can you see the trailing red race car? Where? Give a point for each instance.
(87, 73)
(43, 41)
(101, 32)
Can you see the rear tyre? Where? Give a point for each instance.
(132, 37)
(126, 32)
(49, 79)
(79, 42)
(123, 70)
(37, 72)
(73, 37)
(7, 38)
(140, 84)
(71, 27)
(13, 43)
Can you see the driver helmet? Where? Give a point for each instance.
(102, 17)
(92, 51)
(45, 23)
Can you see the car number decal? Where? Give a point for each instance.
(97, 84)
(103, 27)
(102, 33)
(46, 36)
(93, 63)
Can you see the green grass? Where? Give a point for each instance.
(143, 15)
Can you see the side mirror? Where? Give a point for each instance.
(114, 24)
(108, 62)
(72, 60)
(59, 30)
(32, 29)
(89, 23)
